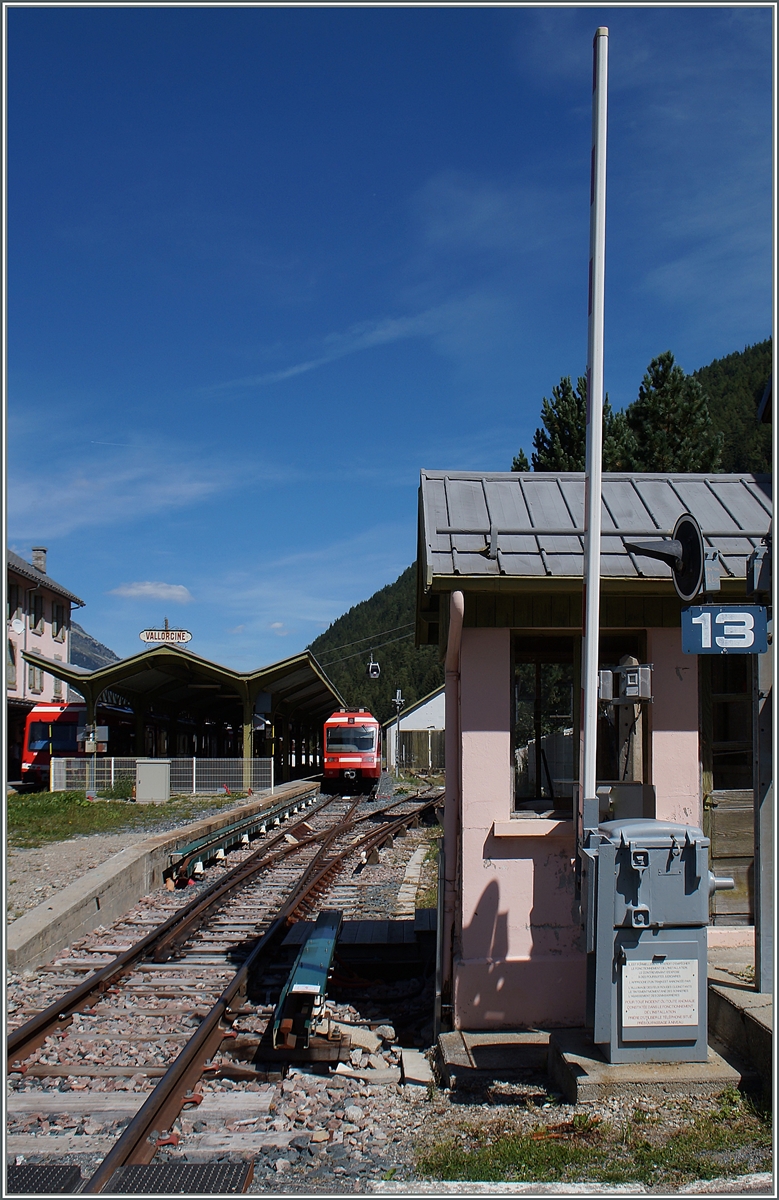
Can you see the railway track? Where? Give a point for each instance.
(204, 956)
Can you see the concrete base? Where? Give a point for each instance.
(106, 892)
(471, 1060)
(578, 1070)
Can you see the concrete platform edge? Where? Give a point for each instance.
(742, 1019)
(106, 892)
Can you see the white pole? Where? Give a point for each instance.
(594, 456)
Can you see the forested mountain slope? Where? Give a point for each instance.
(734, 386)
(383, 624)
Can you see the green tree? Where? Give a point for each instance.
(559, 443)
(668, 426)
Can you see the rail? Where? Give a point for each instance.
(183, 858)
(32, 1034)
(161, 941)
(135, 1145)
(169, 1096)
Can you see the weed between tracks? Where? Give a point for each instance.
(733, 1138)
(37, 818)
(427, 892)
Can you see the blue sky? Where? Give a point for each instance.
(264, 264)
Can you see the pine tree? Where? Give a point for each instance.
(669, 427)
(560, 443)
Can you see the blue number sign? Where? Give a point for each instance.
(724, 629)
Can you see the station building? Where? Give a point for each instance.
(38, 618)
(499, 591)
(422, 727)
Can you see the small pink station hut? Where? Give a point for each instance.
(500, 568)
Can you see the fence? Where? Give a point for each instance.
(420, 749)
(187, 775)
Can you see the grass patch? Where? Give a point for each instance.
(732, 1141)
(39, 818)
(427, 892)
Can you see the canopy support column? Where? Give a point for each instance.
(247, 746)
(285, 749)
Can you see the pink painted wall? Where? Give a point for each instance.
(673, 721)
(518, 951)
(518, 960)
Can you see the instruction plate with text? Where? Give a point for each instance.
(660, 993)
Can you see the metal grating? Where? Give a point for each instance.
(181, 1178)
(40, 1179)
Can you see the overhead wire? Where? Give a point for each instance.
(357, 654)
(368, 638)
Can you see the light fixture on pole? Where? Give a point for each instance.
(398, 702)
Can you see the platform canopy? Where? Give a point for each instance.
(174, 678)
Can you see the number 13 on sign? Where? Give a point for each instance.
(724, 629)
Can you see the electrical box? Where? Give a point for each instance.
(152, 780)
(646, 887)
(635, 683)
(606, 686)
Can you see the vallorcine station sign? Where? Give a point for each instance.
(166, 636)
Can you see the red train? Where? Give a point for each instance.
(352, 748)
(51, 730)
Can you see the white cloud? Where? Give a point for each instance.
(361, 336)
(61, 500)
(119, 489)
(174, 592)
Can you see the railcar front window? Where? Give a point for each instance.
(63, 737)
(352, 739)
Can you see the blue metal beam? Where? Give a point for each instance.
(306, 985)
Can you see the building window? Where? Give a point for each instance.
(36, 615)
(14, 601)
(35, 678)
(58, 621)
(727, 721)
(10, 665)
(545, 740)
(57, 682)
(546, 720)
